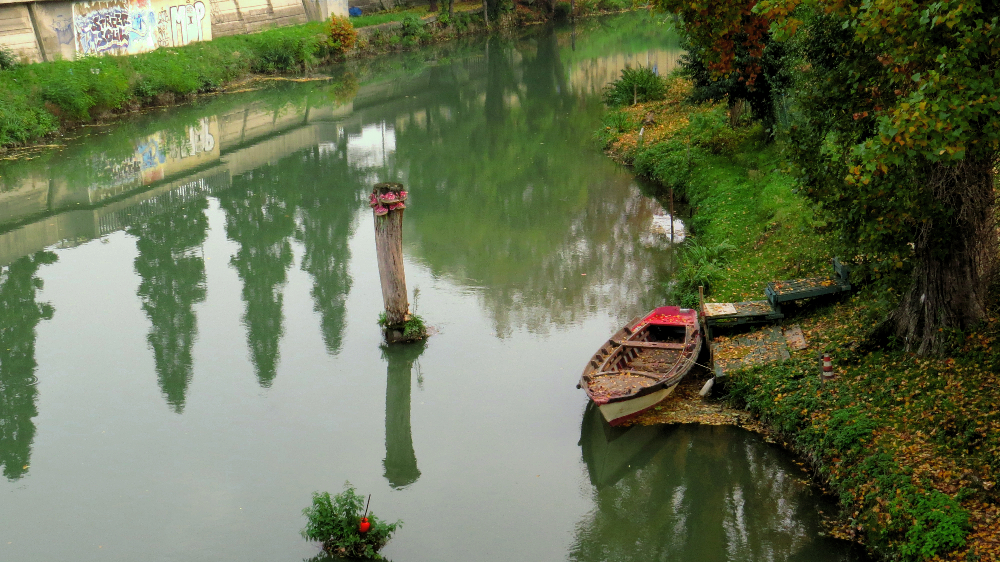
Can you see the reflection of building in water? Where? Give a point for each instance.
(591, 76)
(158, 172)
(371, 147)
(155, 157)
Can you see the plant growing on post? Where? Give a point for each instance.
(337, 522)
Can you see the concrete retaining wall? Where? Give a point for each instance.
(52, 29)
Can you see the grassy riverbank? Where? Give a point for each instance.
(42, 100)
(909, 444)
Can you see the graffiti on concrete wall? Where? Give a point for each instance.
(63, 28)
(126, 27)
(180, 25)
(102, 27)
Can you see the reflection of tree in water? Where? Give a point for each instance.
(173, 281)
(400, 459)
(495, 203)
(329, 200)
(259, 217)
(19, 315)
(708, 493)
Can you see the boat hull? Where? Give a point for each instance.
(620, 411)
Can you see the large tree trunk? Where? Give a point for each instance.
(955, 259)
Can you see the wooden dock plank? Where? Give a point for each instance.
(756, 348)
(745, 312)
(794, 289)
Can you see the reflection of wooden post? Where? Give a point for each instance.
(400, 459)
(387, 204)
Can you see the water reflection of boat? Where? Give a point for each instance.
(612, 452)
(642, 363)
(696, 492)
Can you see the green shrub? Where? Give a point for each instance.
(66, 84)
(636, 85)
(669, 162)
(334, 522)
(342, 35)
(711, 131)
(614, 123)
(700, 266)
(462, 21)
(413, 28)
(20, 120)
(939, 525)
(283, 52)
(414, 327)
(614, 5)
(561, 11)
(8, 60)
(164, 71)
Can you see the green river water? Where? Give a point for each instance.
(188, 346)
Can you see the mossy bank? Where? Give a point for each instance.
(910, 444)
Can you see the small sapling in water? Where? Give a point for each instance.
(338, 523)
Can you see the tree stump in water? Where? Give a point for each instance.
(387, 202)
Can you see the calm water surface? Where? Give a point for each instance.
(188, 346)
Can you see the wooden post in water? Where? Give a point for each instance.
(671, 215)
(387, 202)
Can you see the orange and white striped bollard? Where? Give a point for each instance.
(827, 371)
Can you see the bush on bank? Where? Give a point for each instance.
(909, 444)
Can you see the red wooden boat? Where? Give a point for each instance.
(642, 363)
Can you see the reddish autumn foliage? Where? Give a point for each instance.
(717, 27)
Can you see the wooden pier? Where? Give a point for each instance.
(769, 344)
(776, 293)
